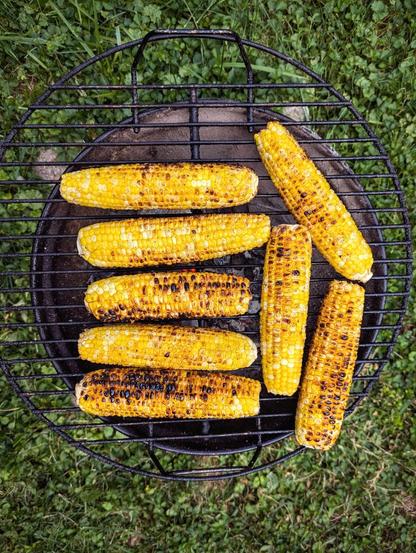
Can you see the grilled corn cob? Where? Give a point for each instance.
(172, 394)
(167, 347)
(314, 204)
(329, 370)
(158, 185)
(169, 240)
(168, 296)
(284, 307)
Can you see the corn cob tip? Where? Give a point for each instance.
(80, 249)
(364, 277)
(77, 392)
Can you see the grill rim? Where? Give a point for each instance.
(393, 175)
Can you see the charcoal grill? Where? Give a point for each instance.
(83, 122)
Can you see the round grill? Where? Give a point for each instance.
(80, 122)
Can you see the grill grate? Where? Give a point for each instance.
(79, 122)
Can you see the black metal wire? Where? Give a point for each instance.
(32, 374)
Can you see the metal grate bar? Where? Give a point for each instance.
(207, 104)
(198, 86)
(74, 288)
(176, 143)
(97, 323)
(115, 217)
(75, 358)
(205, 124)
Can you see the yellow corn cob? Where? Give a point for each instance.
(169, 240)
(163, 186)
(314, 204)
(170, 393)
(168, 296)
(329, 370)
(284, 307)
(167, 347)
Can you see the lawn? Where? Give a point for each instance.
(359, 497)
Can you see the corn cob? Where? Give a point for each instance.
(168, 296)
(169, 240)
(330, 366)
(167, 347)
(158, 185)
(284, 307)
(171, 393)
(314, 204)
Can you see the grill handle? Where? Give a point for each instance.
(166, 34)
(205, 473)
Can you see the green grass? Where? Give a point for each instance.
(359, 497)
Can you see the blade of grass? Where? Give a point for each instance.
(72, 30)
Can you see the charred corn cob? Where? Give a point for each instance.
(169, 240)
(314, 204)
(172, 394)
(167, 347)
(158, 185)
(168, 296)
(284, 307)
(330, 366)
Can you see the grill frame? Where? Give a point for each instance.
(194, 105)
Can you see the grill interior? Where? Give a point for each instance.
(43, 278)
